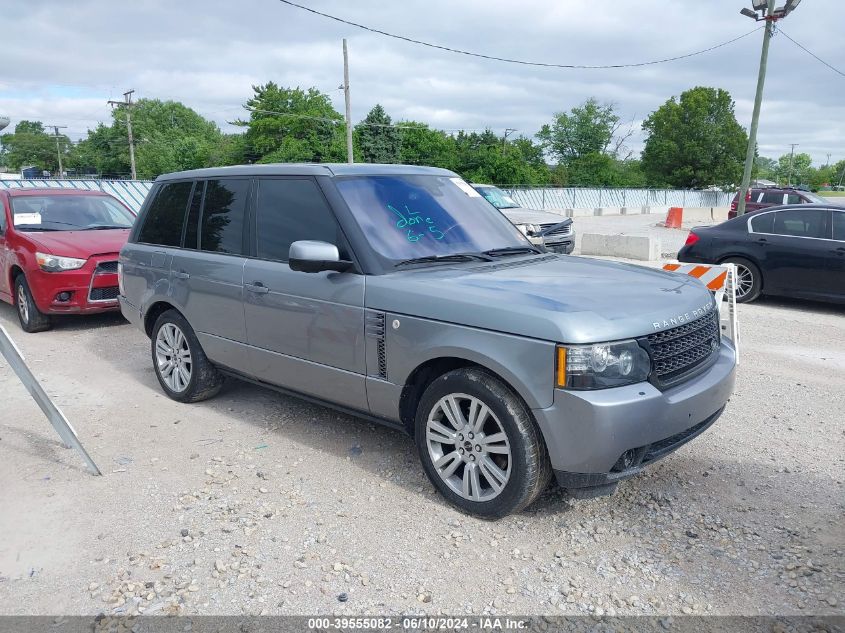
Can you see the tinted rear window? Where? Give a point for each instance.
(163, 221)
(762, 223)
(800, 222)
(223, 215)
(771, 197)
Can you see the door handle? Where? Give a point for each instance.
(763, 241)
(181, 275)
(839, 251)
(257, 287)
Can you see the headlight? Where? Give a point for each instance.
(528, 229)
(54, 264)
(601, 365)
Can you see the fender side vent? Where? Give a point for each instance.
(375, 330)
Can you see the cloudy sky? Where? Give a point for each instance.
(60, 61)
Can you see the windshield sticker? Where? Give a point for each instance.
(27, 218)
(463, 186)
(411, 219)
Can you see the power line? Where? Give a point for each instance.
(834, 69)
(514, 61)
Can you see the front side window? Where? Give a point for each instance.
(838, 218)
(165, 216)
(289, 210)
(407, 217)
(794, 198)
(800, 222)
(223, 214)
(68, 213)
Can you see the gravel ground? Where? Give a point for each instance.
(259, 503)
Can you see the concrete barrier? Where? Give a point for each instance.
(696, 214)
(639, 247)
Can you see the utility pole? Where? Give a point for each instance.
(349, 158)
(127, 102)
(57, 136)
(508, 131)
(791, 156)
(769, 15)
(758, 98)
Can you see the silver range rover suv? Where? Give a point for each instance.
(397, 294)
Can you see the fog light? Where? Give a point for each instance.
(63, 297)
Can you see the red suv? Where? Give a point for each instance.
(58, 252)
(762, 197)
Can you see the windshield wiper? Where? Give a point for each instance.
(454, 257)
(103, 227)
(512, 250)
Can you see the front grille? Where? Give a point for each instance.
(677, 352)
(561, 232)
(109, 293)
(106, 267)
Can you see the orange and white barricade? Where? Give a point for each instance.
(721, 281)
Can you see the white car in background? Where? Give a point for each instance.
(547, 229)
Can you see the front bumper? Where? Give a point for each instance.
(596, 438)
(90, 289)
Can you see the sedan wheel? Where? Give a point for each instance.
(744, 281)
(468, 446)
(23, 304)
(173, 357)
(749, 280)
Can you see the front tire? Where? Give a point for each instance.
(180, 364)
(30, 317)
(749, 282)
(479, 444)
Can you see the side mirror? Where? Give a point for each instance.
(308, 256)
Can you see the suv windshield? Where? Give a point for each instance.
(68, 213)
(408, 217)
(497, 197)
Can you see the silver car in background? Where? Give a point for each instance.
(553, 231)
(397, 294)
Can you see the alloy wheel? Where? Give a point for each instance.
(173, 357)
(468, 447)
(23, 304)
(744, 281)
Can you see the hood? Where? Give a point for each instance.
(520, 215)
(563, 299)
(81, 244)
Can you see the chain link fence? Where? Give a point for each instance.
(587, 197)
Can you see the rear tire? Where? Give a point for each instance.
(180, 364)
(30, 317)
(479, 444)
(749, 279)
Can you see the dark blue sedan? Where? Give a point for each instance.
(791, 250)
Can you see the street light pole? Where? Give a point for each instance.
(755, 116)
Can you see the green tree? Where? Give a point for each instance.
(377, 141)
(292, 125)
(694, 141)
(799, 171)
(765, 168)
(168, 135)
(30, 144)
(422, 145)
(586, 129)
